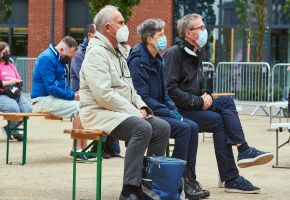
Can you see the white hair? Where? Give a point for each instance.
(104, 16)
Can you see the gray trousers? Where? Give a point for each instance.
(152, 133)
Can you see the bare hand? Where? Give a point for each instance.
(77, 96)
(207, 101)
(14, 81)
(144, 113)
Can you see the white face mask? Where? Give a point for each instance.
(190, 52)
(122, 34)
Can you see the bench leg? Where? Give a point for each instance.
(99, 169)
(74, 169)
(8, 134)
(24, 140)
(277, 150)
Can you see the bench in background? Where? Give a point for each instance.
(22, 119)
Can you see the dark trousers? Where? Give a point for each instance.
(151, 134)
(223, 121)
(185, 134)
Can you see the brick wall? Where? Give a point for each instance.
(151, 9)
(59, 20)
(39, 24)
(39, 21)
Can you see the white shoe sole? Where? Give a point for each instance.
(229, 190)
(260, 160)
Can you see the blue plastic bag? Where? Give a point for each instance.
(162, 178)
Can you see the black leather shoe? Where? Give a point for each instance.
(17, 136)
(197, 186)
(191, 192)
(132, 196)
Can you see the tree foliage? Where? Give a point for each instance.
(286, 7)
(252, 16)
(5, 10)
(125, 6)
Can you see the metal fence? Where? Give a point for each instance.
(25, 68)
(250, 81)
(280, 81)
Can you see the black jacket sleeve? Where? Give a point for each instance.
(173, 67)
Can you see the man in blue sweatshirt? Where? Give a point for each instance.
(50, 92)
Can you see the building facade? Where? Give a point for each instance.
(31, 27)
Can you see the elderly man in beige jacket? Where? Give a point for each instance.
(108, 100)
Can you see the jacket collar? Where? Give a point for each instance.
(140, 50)
(84, 44)
(103, 40)
(55, 52)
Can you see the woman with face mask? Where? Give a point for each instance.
(146, 68)
(11, 99)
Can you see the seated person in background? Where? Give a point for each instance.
(110, 103)
(50, 92)
(184, 77)
(11, 101)
(75, 68)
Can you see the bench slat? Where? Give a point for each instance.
(216, 95)
(20, 116)
(85, 134)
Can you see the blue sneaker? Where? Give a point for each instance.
(241, 185)
(82, 158)
(252, 157)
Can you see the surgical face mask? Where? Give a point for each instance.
(122, 34)
(6, 57)
(202, 38)
(161, 43)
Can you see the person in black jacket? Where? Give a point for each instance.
(184, 76)
(146, 68)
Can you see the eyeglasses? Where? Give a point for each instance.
(199, 27)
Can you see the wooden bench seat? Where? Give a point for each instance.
(22, 119)
(20, 116)
(97, 137)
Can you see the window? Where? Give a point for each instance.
(77, 19)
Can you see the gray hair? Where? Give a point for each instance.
(186, 22)
(149, 27)
(104, 16)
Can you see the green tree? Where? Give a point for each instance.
(125, 6)
(252, 16)
(286, 7)
(5, 10)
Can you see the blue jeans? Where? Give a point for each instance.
(185, 134)
(10, 105)
(223, 121)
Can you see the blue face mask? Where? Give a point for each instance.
(161, 43)
(202, 39)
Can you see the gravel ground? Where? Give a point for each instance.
(48, 173)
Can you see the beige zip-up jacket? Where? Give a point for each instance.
(107, 94)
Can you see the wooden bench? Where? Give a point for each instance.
(97, 136)
(22, 119)
(279, 128)
(216, 95)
